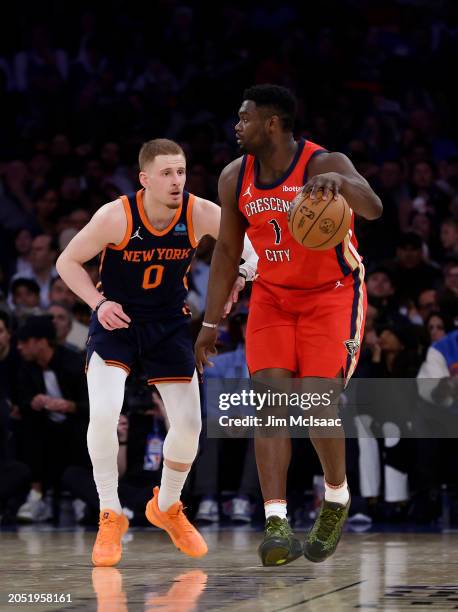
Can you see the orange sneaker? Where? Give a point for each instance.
(107, 548)
(185, 537)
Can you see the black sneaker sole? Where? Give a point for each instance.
(276, 551)
(317, 559)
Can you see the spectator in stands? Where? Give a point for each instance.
(435, 459)
(426, 303)
(381, 292)
(423, 225)
(114, 173)
(52, 398)
(40, 68)
(425, 195)
(59, 293)
(448, 295)
(42, 260)
(451, 277)
(78, 219)
(25, 298)
(23, 246)
(370, 342)
(63, 320)
(46, 210)
(227, 365)
(437, 326)
(14, 476)
(9, 358)
(449, 238)
(16, 207)
(40, 171)
(394, 356)
(71, 195)
(410, 271)
(439, 372)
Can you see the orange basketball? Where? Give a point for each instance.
(319, 224)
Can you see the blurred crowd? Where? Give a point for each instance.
(84, 88)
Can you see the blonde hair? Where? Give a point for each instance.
(157, 146)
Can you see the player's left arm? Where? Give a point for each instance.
(335, 172)
(206, 219)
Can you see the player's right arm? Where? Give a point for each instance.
(225, 261)
(107, 226)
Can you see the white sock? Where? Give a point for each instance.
(275, 507)
(172, 483)
(338, 494)
(106, 477)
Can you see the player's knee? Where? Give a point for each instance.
(187, 421)
(192, 425)
(185, 437)
(326, 411)
(181, 446)
(104, 416)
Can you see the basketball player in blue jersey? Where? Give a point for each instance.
(147, 241)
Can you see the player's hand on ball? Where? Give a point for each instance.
(204, 347)
(112, 316)
(238, 286)
(330, 182)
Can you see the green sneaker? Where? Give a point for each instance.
(322, 540)
(279, 545)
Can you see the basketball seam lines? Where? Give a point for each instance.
(323, 243)
(292, 219)
(310, 229)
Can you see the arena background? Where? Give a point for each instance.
(83, 85)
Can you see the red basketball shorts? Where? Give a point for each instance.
(314, 332)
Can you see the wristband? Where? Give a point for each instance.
(211, 325)
(243, 273)
(104, 299)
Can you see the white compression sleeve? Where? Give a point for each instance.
(182, 404)
(106, 395)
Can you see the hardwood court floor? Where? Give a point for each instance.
(370, 571)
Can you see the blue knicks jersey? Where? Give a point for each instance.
(146, 273)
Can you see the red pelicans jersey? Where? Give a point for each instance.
(282, 260)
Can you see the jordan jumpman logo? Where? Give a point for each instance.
(136, 235)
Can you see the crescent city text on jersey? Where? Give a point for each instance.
(265, 204)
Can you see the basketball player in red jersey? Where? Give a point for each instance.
(307, 307)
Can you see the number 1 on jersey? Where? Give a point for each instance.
(277, 230)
